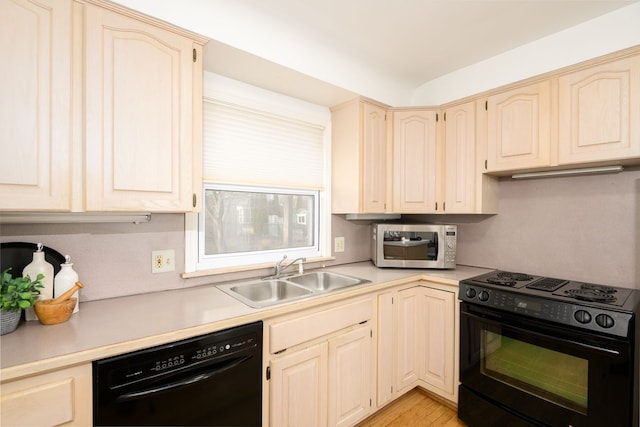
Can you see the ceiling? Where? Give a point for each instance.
(321, 50)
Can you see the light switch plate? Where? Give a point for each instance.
(338, 244)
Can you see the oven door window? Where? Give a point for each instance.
(557, 377)
(411, 245)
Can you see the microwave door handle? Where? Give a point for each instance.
(182, 383)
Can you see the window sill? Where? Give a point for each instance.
(240, 268)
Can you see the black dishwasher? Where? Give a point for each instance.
(209, 380)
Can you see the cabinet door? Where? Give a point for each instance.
(139, 104)
(58, 398)
(350, 373)
(386, 349)
(299, 388)
(408, 337)
(35, 105)
(415, 172)
(439, 336)
(459, 158)
(519, 128)
(599, 110)
(374, 179)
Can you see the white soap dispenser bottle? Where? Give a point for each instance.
(39, 266)
(65, 279)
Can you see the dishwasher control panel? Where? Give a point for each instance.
(144, 364)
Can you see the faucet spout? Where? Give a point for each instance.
(279, 268)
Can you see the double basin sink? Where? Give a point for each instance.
(264, 293)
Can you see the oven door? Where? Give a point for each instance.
(532, 372)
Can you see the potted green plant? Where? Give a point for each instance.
(16, 294)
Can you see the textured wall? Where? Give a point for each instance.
(584, 228)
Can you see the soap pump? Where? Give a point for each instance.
(65, 280)
(39, 266)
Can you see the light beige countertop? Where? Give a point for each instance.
(108, 327)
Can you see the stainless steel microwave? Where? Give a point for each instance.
(414, 245)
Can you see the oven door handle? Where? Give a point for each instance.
(182, 383)
(497, 318)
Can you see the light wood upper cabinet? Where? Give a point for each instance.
(599, 111)
(35, 104)
(519, 128)
(139, 104)
(460, 172)
(359, 157)
(416, 169)
(102, 109)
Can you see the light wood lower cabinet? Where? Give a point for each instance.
(418, 344)
(321, 365)
(437, 362)
(350, 363)
(57, 398)
(299, 388)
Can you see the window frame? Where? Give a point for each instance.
(228, 90)
(206, 262)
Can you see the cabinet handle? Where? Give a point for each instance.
(444, 206)
(436, 206)
(485, 164)
(194, 200)
(195, 55)
(268, 373)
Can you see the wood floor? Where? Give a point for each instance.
(416, 408)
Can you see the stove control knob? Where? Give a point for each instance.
(582, 316)
(471, 293)
(605, 321)
(483, 296)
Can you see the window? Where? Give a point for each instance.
(246, 224)
(266, 173)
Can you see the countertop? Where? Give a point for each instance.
(108, 327)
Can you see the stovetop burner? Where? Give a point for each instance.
(519, 277)
(507, 278)
(591, 295)
(502, 281)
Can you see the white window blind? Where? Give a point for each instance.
(252, 147)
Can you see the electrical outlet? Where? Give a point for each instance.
(338, 245)
(163, 261)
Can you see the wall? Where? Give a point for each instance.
(609, 33)
(115, 259)
(585, 228)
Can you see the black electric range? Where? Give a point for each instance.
(589, 306)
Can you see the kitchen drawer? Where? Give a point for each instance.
(299, 328)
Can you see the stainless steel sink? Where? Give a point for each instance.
(267, 292)
(325, 281)
(264, 293)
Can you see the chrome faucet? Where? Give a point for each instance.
(280, 268)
